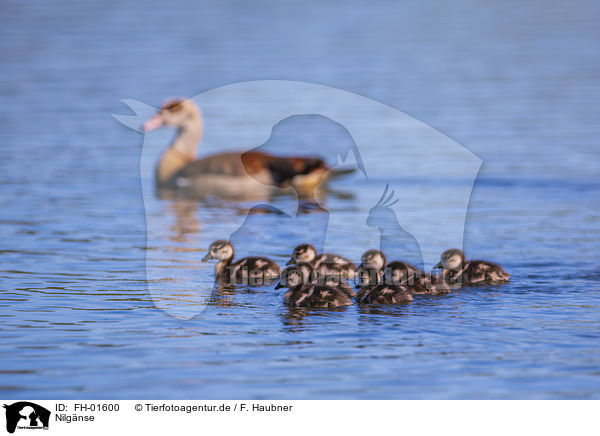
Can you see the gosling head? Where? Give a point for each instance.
(303, 253)
(373, 259)
(178, 113)
(220, 250)
(331, 275)
(451, 259)
(398, 272)
(295, 275)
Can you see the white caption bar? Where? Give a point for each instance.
(158, 417)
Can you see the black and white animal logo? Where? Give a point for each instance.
(26, 415)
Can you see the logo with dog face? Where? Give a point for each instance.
(26, 415)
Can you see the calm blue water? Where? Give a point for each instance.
(516, 83)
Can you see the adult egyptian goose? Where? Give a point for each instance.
(224, 173)
(457, 271)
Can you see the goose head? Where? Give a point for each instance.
(398, 272)
(373, 259)
(179, 113)
(451, 259)
(295, 275)
(220, 250)
(303, 253)
(331, 275)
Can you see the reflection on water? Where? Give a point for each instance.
(76, 314)
(186, 221)
(380, 310)
(223, 294)
(295, 319)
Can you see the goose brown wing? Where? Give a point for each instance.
(284, 169)
(281, 169)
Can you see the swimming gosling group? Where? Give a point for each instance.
(320, 280)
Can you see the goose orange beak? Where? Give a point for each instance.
(153, 123)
